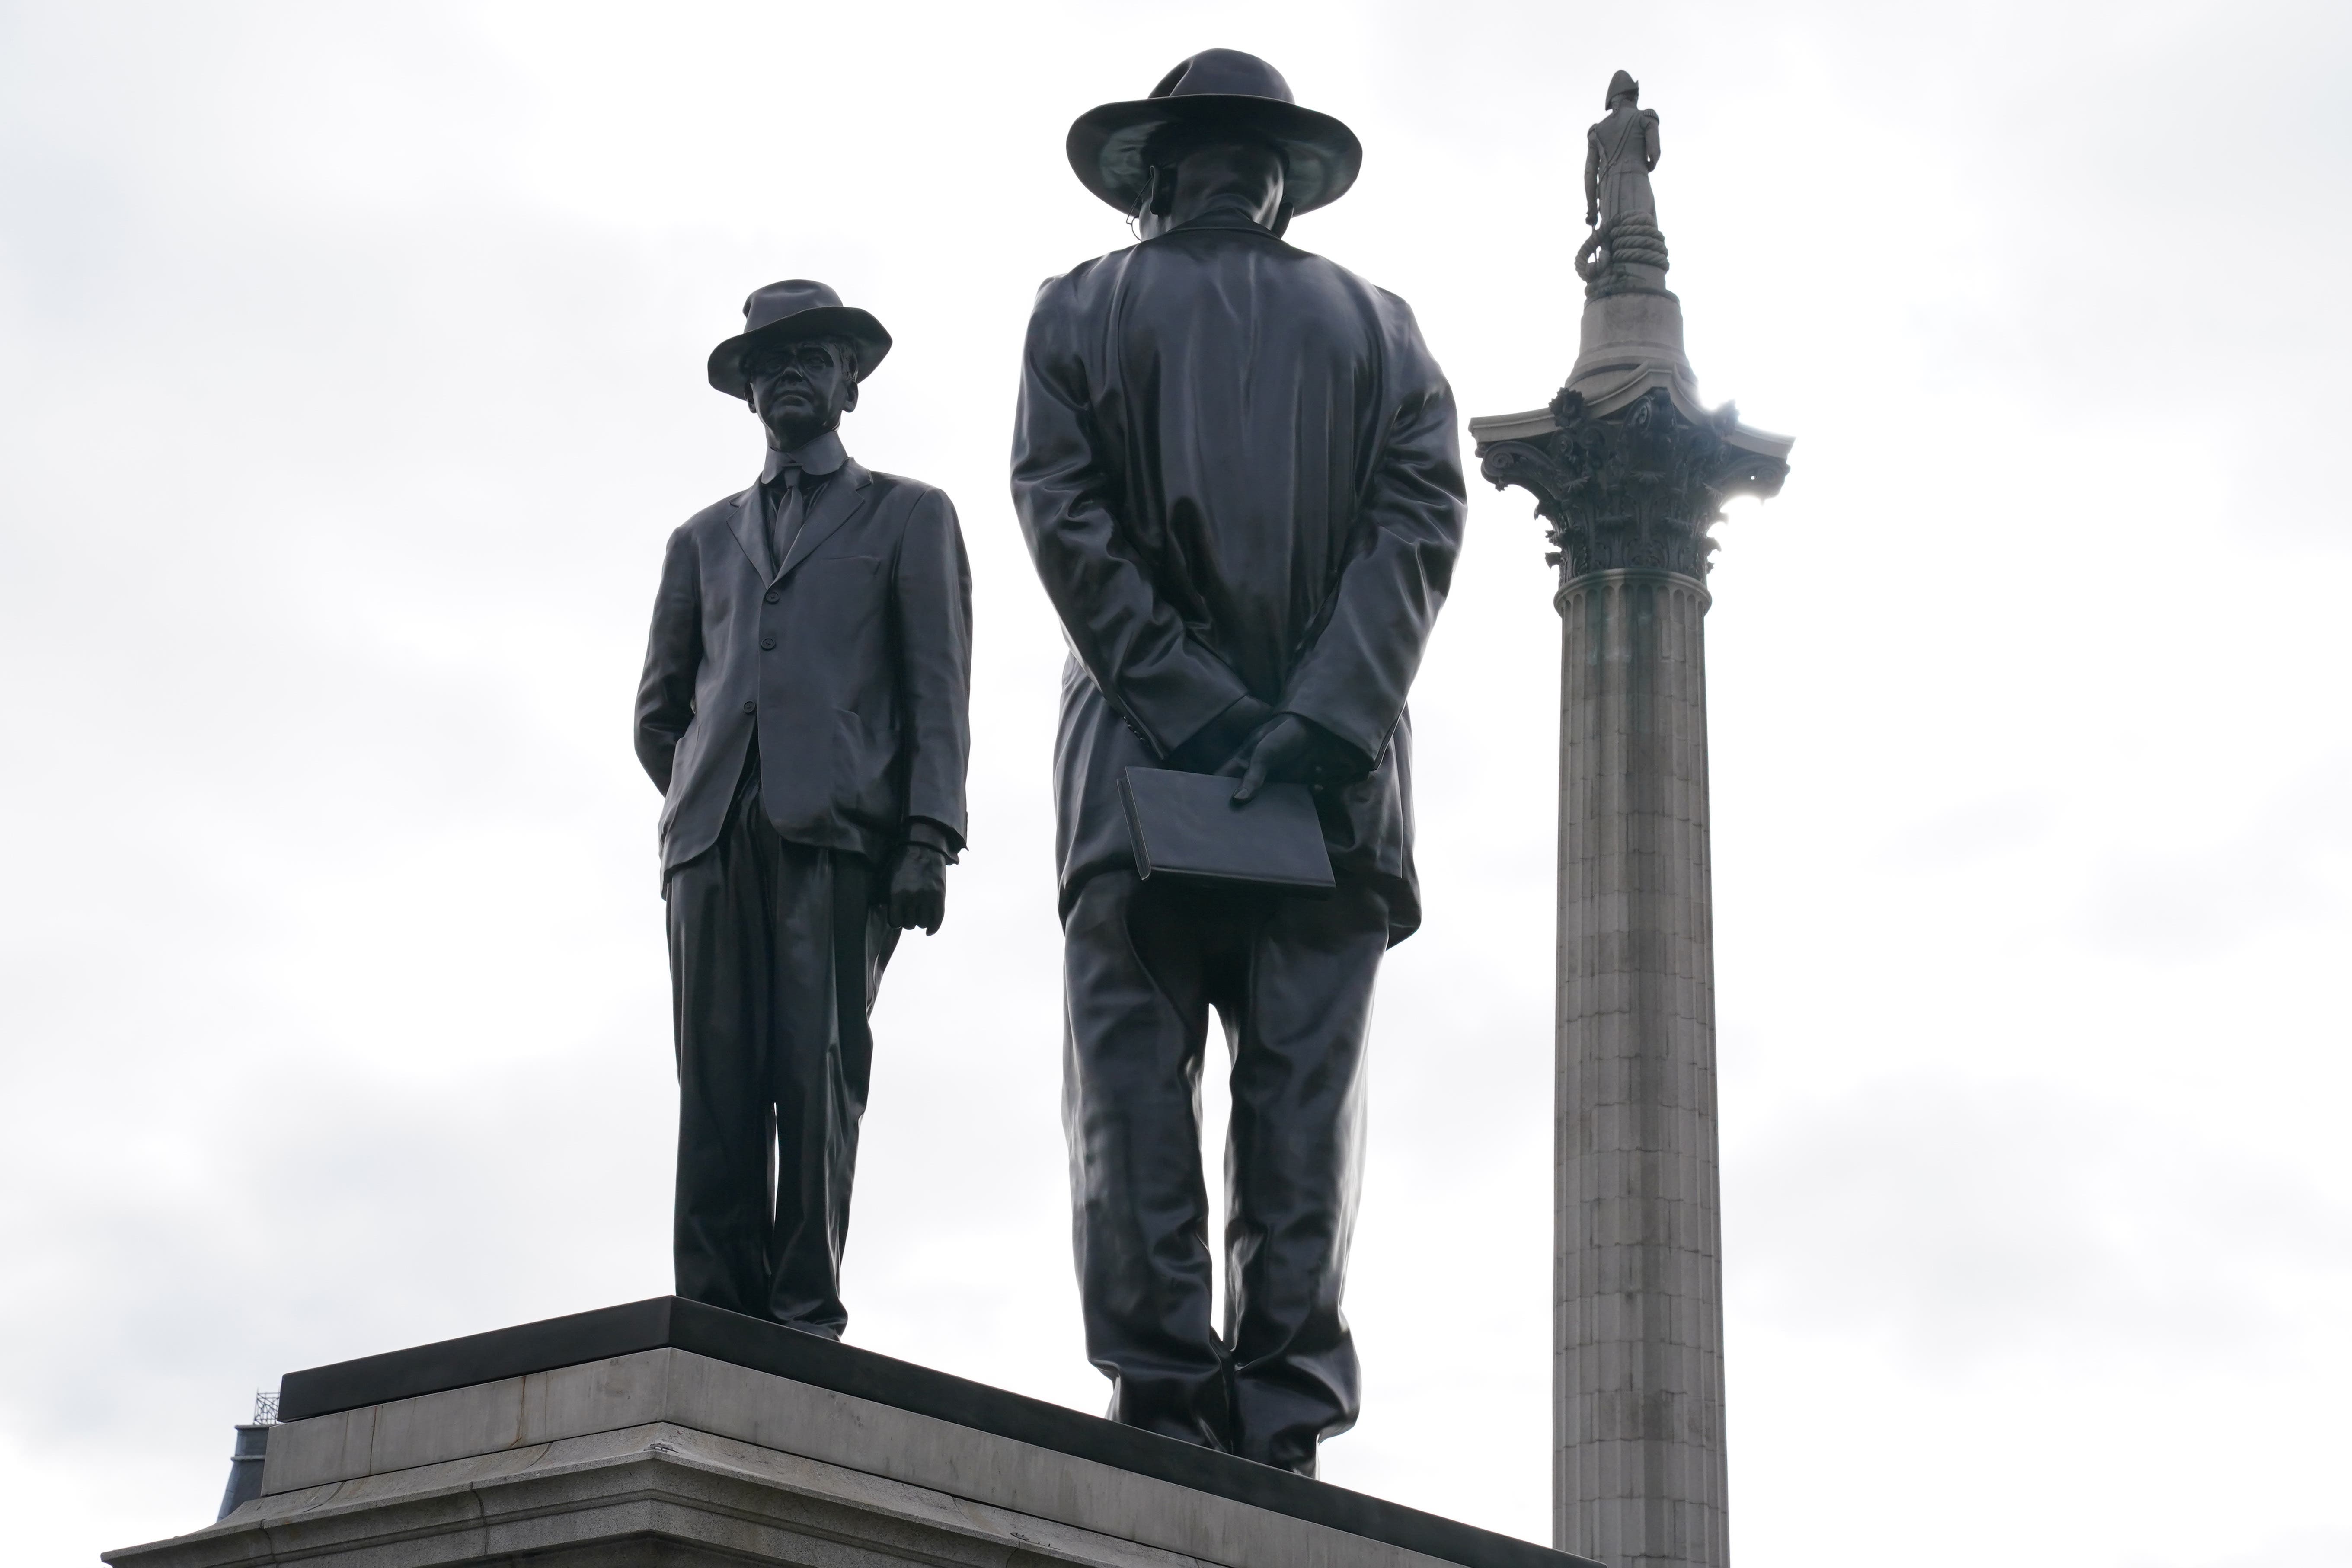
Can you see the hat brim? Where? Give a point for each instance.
(1107, 144)
(817, 322)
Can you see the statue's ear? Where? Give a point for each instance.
(850, 401)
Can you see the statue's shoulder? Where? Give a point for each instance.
(1070, 306)
(1403, 328)
(1384, 303)
(717, 516)
(901, 489)
(1067, 288)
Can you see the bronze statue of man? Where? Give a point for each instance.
(1619, 153)
(804, 712)
(1236, 469)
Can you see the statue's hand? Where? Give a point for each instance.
(1285, 751)
(918, 889)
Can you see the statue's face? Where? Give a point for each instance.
(801, 390)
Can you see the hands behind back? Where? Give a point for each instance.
(1287, 748)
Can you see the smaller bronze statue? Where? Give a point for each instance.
(1620, 152)
(804, 712)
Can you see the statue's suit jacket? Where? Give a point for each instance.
(1236, 468)
(850, 661)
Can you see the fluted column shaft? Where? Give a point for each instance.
(1638, 1440)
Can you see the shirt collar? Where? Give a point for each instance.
(1227, 212)
(814, 459)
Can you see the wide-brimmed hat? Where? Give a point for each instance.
(1320, 155)
(787, 312)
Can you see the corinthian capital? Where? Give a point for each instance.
(1636, 488)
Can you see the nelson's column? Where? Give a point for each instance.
(1630, 472)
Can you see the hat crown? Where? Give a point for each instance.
(773, 303)
(1110, 144)
(1224, 72)
(1622, 82)
(786, 312)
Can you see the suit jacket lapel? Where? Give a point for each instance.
(837, 505)
(751, 532)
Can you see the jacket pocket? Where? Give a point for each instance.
(864, 768)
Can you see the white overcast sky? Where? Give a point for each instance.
(351, 380)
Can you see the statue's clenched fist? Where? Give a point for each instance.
(919, 889)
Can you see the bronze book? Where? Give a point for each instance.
(1186, 828)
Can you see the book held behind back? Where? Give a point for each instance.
(1186, 828)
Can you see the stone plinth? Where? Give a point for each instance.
(1630, 472)
(1631, 343)
(669, 1433)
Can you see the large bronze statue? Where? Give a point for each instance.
(805, 714)
(1237, 471)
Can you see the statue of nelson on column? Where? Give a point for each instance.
(1236, 469)
(1625, 249)
(1620, 153)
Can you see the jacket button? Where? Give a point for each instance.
(751, 707)
(767, 642)
(774, 596)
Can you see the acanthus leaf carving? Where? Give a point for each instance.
(1637, 488)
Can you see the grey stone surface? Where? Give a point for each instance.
(1629, 343)
(666, 1457)
(1639, 1480)
(653, 1494)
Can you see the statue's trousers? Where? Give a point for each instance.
(776, 951)
(1291, 978)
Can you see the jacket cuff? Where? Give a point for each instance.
(1345, 753)
(1206, 748)
(937, 836)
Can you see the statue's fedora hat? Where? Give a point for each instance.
(1107, 145)
(787, 312)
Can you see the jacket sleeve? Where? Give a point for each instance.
(1163, 681)
(673, 658)
(933, 593)
(1353, 680)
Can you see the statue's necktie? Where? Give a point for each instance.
(786, 517)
